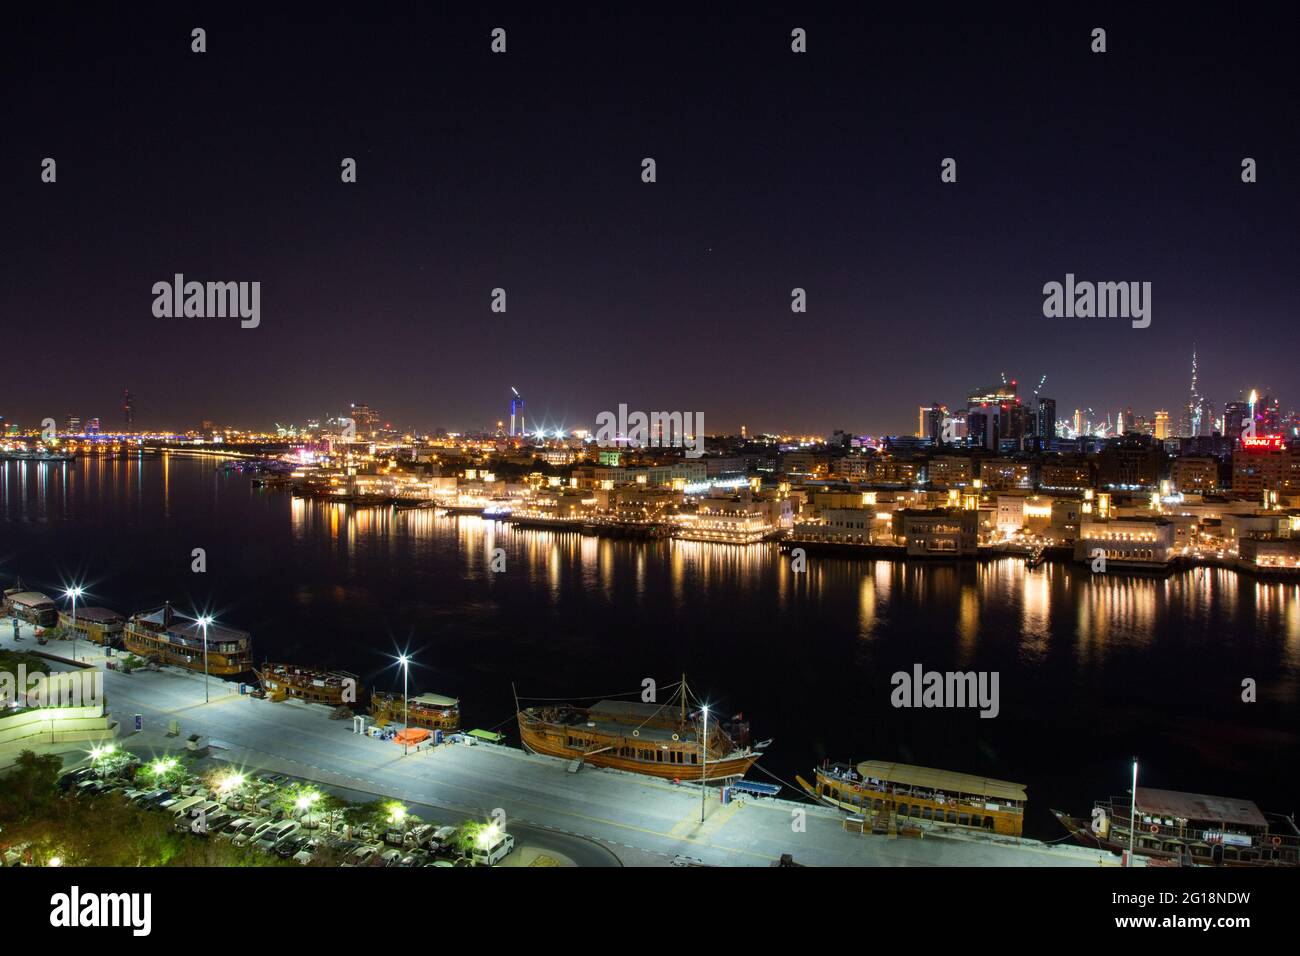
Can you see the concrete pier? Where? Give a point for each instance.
(643, 821)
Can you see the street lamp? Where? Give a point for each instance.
(74, 592)
(704, 758)
(1132, 812)
(203, 622)
(406, 714)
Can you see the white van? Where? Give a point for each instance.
(274, 834)
(491, 855)
(185, 820)
(181, 808)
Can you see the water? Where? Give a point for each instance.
(1092, 668)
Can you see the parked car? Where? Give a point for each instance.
(441, 837)
(235, 827)
(273, 835)
(287, 848)
(361, 856)
(413, 858)
(253, 831)
(492, 855)
(74, 777)
(308, 849)
(389, 857)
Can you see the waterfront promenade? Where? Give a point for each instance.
(641, 820)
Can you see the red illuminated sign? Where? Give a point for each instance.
(1263, 443)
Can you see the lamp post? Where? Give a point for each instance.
(74, 592)
(203, 622)
(406, 713)
(1132, 812)
(704, 759)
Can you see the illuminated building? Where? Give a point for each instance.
(1265, 463)
(1194, 475)
(1045, 427)
(1161, 428)
(1127, 542)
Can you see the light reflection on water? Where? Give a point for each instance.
(1092, 666)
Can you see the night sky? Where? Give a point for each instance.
(523, 171)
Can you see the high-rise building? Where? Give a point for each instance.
(1236, 419)
(1045, 427)
(930, 422)
(72, 425)
(1161, 429)
(128, 410)
(364, 420)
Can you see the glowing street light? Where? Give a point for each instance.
(704, 757)
(203, 622)
(488, 835)
(74, 592)
(1132, 812)
(405, 663)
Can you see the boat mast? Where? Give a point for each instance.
(682, 691)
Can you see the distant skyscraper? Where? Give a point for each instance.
(1046, 425)
(1161, 430)
(128, 410)
(930, 423)
(517, 413)
(364, 419)
(1193, 421)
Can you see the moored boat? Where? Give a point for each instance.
(311, 684)
(161, 636)
(1189, 828)
(431, 711)
(660, 740)
(892, 796)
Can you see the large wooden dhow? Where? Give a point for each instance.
(161, 635)
(1197, 829)
(430, 711)
(311, 684)
(898, 796)
(660, 740)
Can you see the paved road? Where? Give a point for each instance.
(641, 819)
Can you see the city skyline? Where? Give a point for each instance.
(775, 172)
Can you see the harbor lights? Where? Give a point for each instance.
(704, 758)
(405, 662)
(74, 592)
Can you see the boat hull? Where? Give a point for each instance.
(547, 745)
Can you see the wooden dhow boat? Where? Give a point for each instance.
(311, 684)
(1189, 828)
(431, 711)
(659, 740)
(892, 796)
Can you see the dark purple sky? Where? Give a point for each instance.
(522, 171)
